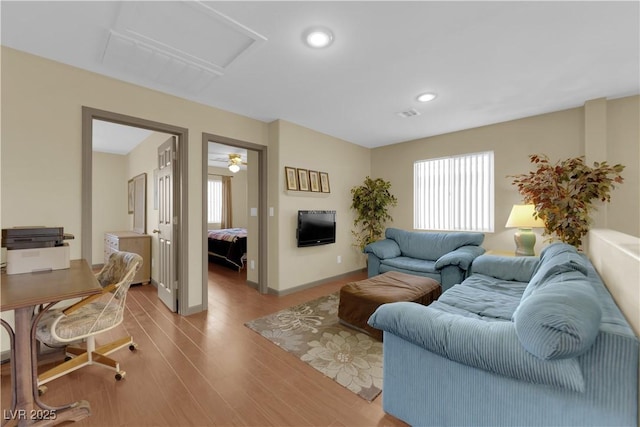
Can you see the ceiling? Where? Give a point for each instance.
(488, 61)
(119, 139)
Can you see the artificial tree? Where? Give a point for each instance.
(371, 201)
(565, 193)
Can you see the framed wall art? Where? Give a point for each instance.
(324, 182)
(303, 180)
(314, 181)
(292, 180)
(131, 192)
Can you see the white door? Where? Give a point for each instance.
(167, 232)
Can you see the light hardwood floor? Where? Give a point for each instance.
(208, 369)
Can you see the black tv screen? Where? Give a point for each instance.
(316, 228)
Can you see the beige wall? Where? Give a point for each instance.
(558, 135)
(347, 165)
(41, 143)
(109, 200)
(623, 146)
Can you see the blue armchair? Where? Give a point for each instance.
(445, 257)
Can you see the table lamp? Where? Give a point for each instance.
(521, 216)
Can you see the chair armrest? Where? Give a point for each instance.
(67, 311)
(461, 257)
(383, 249)
(491, 346)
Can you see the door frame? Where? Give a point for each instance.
(88, 115)
(263, 212)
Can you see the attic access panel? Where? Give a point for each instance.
(184, 43)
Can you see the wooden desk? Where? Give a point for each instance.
(22, 293)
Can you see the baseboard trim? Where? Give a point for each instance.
(309, 285)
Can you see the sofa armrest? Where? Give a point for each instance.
(519, 269)
(383, 249)
(461, 257)
(491, 346)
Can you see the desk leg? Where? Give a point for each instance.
(29, 410)
(7, 416)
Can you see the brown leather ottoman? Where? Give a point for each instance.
(358, 300)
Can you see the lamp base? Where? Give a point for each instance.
(525, 241)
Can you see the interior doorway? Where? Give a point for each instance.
(180, 212)
(258, 211)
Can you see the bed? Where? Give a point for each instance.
(228, 247)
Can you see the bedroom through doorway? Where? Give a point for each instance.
(234, 223)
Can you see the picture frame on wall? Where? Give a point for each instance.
(303, 180)
(292, 181)
(314, 181)
(131, 199)
(324, 182)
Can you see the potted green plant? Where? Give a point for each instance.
(371, 201)
(565, 193)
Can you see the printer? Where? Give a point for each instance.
(35, 249)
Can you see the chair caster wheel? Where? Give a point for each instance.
(133, 347)
(42, 390)
(120, 375)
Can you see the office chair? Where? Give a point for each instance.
(89, 317)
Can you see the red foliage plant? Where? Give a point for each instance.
(564, 193)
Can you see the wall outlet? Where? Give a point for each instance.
(252, 265)
(339, 259)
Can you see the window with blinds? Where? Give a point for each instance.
(214, 200)
(454, 193)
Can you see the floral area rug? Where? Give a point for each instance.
(312, 332)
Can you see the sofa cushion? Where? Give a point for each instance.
(431, 246)
(485, 303)
(492, 346)
(411, 264)
(560, 320)
(517, 269)
(385, 248)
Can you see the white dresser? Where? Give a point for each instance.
(128, 241)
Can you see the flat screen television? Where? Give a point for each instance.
(316, 228)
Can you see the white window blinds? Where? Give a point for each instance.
(454, 193)
(214, 200)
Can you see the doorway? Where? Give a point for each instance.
(259, 152)
(181, 211)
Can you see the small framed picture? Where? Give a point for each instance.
(292, 181)
(324, 182)
(131, 193)
(303, 180)
(314, 180)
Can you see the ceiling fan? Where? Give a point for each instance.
(235, 160)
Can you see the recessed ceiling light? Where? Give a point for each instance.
(426, 97)
(318, 37)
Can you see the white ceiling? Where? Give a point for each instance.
(116, 139)
(120, 139)
(488, 61)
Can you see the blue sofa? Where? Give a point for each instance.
(445, 257)
(522, 341)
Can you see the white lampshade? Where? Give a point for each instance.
(234, 168)
(521, 216)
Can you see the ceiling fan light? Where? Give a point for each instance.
(234, 168)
